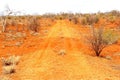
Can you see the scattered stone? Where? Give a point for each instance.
(108, 57)
(62, 52)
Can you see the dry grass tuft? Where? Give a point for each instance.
(9, 69)
(12, 60)
(9, 64)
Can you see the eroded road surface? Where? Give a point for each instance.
(49, 64)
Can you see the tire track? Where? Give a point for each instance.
(38, 56)
(43, 64)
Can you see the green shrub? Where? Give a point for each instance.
(101, 38)
(110, 36)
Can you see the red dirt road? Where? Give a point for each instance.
(47, 64)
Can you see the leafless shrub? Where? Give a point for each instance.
(4, 18)
(8, 15)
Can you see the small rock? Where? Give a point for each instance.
(62, 52)
(108, 57)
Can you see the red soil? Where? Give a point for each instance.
(40, 59)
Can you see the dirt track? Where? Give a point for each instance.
(47, 64)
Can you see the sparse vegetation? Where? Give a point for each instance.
(101, 38)
(33, 24)
(89, 19)
(9, 69)
(4, 18)
(51, 37)
(12, 60)
(9, 64)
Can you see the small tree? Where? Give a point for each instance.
(101, 38)
(6, 15)
(4, 18)
(3, 21)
